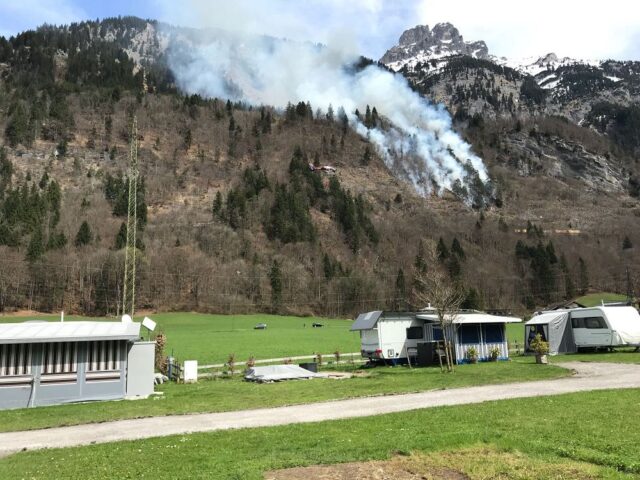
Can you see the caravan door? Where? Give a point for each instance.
(591, 331)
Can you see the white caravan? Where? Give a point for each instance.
(597, 327)
(393, 337)
(605, 326)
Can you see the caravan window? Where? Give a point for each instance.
(415, 333)
(595, 322)
(469, 334)
(493, 333)
(589, 322)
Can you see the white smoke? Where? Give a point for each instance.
(420, 146)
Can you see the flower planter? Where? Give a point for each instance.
(473, 360)
(542, 360)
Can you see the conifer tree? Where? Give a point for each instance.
(84, 235)
(275, 279)
(456, 249)
(400, 296)
(121, 237)
(584, 276)
(35, 250)
(443, 251)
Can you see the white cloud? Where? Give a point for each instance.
(589, 29)
(16, 16)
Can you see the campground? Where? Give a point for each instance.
(233, 394)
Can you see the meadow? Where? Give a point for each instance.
(210, 339)
(543, 438)
(232, 394)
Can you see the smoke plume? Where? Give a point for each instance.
(417, 141)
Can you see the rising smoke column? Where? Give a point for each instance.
(420, 145)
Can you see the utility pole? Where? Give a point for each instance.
(129, 285)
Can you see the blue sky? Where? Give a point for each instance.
(585, 29)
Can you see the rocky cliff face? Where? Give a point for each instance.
(421, 44)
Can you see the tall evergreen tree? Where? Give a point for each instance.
(443, 251)
(456, 249)
(84, 235)
(400, 296)
(275, 279)
(121, 237)
(569, 286)
(35, 250)
(420, 263)
(584, 277)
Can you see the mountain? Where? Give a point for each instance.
(450, 70)
(234, 219)
(420, 45)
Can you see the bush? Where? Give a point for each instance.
(472, 354)
(539, 346)
(494, 353)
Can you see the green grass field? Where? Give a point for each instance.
(236, 394)
(540, 432)
(595, 299)
(211, 338)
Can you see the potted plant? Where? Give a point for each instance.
(472, 354)
(494, 354)
(540, 348)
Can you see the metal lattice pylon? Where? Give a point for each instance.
(129, 286)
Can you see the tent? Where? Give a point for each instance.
(554, 328)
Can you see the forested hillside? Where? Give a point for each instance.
(237, 213)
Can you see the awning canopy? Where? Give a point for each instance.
(366, 321)
(471, 318)
(45, 332)
(546, 318)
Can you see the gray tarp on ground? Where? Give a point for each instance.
(559, 332)
(277, 373)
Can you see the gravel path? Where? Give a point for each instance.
(589, 376)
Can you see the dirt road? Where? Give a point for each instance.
(588, 377)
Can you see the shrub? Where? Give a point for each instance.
(231, 364)
(472, 354)
(539, 346)
(494, 353)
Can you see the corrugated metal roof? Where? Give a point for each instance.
(41, 332)
(366, 321)
(472, 318)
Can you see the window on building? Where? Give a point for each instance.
(415, 333)
(15, 360)
(494, 333)
(103, 356)
(469, 334)
(59, 358)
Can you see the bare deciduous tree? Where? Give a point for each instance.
(434, 286)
